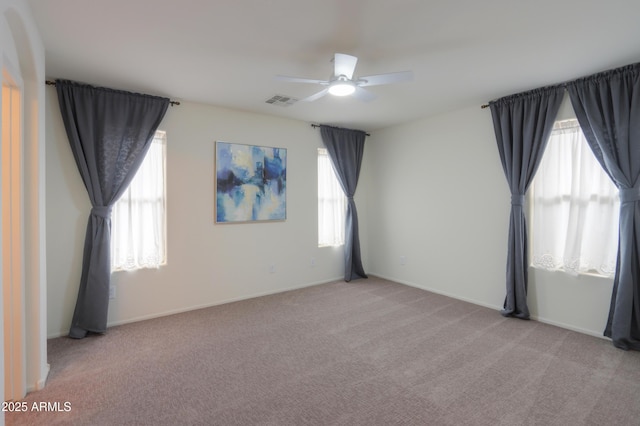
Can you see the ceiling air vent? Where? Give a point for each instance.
(281, 100)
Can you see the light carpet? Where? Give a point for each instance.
(368, 352)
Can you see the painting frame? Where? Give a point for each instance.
(250, 183)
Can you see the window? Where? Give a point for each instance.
(138, 221)
(332, 204)
(575, 207)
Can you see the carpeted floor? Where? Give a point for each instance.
(369, 352)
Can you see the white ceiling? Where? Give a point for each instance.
(227, 52)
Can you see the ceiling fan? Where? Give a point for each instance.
(342, 82)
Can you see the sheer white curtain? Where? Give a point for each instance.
(332, 204)
(575, 207)
(138, 224)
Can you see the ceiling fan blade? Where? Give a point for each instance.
(344, 65)
(363, 95)
(315, 96)
(300, 80)
(394, 77)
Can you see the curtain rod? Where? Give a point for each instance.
(317, 125)
(53, 83)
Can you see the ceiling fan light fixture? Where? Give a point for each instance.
(343, 84)
(342, 88)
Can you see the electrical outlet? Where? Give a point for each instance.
(272, 268)
(112, 291)
(403, 260)
(313, 262)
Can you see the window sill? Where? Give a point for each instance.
(574, 274)
(139, 268)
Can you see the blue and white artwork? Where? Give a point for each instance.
(251, 183)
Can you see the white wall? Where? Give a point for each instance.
(431, 191)
(443, 204)
(208, 263)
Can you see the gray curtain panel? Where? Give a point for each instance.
(109, 133)
(522, 125)
(607, 106)
(345, 148)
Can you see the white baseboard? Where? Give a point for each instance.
(569, 327)
(498, 308)
(440, 292)
(40, 383)
(203, 306)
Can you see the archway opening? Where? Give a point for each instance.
(12, 239)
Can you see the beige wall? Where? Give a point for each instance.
(208, 263)
(444, 205)
(431, 191)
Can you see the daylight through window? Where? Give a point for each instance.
(575, 207)
(332, 204)
(138, 220)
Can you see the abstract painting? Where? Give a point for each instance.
(251, 183)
